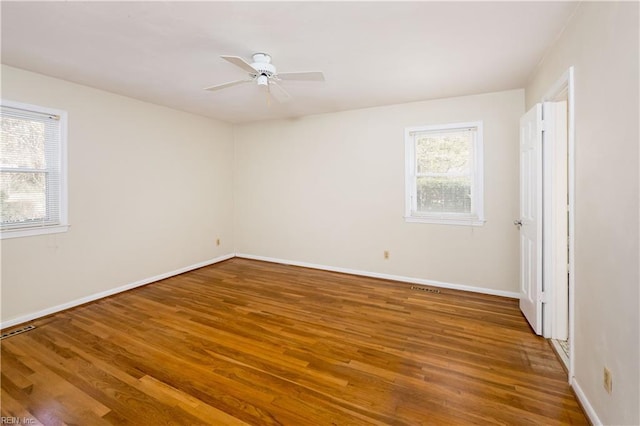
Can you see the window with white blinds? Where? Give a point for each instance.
(33, 193)
(444, 174)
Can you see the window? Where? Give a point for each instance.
(444, 174)
(33, 193)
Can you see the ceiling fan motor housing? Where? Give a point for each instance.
(262, 64)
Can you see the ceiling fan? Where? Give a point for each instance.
(264, 74)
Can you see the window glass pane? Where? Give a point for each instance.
(446, 152)
(443, 194)
(22, 143)
(22, 197)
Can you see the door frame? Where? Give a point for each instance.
(565, 84)
(555, 217)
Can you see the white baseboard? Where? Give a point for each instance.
(48, 311)
(586, 405)
(39, 314)
(401, 278)
(591, 413)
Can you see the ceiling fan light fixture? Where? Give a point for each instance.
(262, 80)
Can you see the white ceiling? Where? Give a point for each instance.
(371, 53)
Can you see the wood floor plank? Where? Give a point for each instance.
(246, 342)
(11, 408)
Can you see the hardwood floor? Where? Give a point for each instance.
(246, 342)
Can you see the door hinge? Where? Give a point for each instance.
(542, 297)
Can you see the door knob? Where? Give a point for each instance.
(517, 223)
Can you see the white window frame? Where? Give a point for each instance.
(61, 223)
(476, 217)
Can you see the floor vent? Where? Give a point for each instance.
(425, 289)
(17, 331)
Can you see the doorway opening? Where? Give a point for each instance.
(546, 223)
(558, 218)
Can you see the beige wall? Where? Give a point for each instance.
(329, 190)
(149, 190)
(150, 195)
(601, 41)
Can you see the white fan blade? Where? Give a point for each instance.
(239, 62)
(279, 93)
(229, 84)
(309, 76)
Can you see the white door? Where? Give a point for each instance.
(530, 221)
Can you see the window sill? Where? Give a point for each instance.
(445, 221)
(30, 232)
